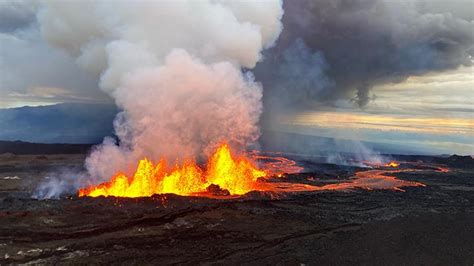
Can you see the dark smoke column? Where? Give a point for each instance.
(343, 48)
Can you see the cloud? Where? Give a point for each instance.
(180, 84)
(431, 114)
(28, 63)
(17, 14)
(365, 43)
(299, 78)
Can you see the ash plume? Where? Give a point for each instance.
(172, 67)
(361, 44)
(296, 79)
(331, 53)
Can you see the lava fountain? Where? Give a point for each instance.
(227, 174)
(236, 174)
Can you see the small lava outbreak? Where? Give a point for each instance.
(392, 164)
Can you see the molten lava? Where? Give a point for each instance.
(392, 164)
(238, 175)
(275, 164)
(228, 175)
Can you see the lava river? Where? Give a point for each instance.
(229, 175)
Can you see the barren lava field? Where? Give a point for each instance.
(429, 225)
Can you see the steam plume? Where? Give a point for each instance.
(173, 67)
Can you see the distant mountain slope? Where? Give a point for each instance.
(20, 147)
(75, 123)
(61, 123)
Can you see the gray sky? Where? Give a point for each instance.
(433, 111)
(433, 114)
(31, 71)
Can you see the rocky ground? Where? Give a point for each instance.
(432, 225)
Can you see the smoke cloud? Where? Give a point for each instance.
(331, 53)
(359, 44)
(173, 67)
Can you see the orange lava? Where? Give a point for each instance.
(277, 165)
(238, 175)
(442, 169)
(233, 176)
(392, 164)
(375, 179)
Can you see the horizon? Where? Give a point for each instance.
(237, 132)
(384, 148)
(384, 83)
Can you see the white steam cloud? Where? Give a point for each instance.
(173, 67)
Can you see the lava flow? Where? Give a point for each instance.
(226, 174)
(375, 179)
(275, 164)
(234, 175)
(392, 164)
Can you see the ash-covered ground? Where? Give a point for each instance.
(431, 225)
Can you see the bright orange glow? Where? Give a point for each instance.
(238, 175)
(227, 175)
(392, 164)
(375, 179)
(275, 164)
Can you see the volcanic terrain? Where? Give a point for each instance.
(427, 218)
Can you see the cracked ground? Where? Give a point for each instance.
(432, 225)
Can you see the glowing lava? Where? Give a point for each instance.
(226, 175)
(275, 164)
(238, 175)
(375, 179)
(392, 164)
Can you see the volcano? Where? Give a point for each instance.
(313, 213)
(235, 175)
(230, 175)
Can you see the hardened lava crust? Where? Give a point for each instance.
(430, 224)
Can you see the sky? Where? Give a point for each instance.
(429, 109)
(32, 72)
(433, 114)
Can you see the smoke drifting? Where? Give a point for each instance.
(198, 106)
(299, 78)
(359, 44)
(174, 68)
